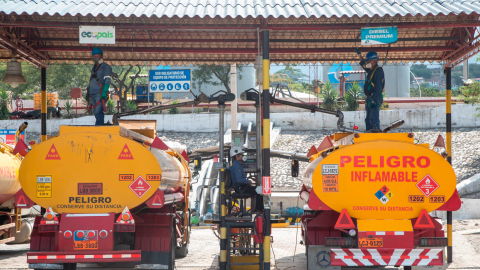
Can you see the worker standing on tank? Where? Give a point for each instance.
(373, 88)
(239, 180)
(97, 91)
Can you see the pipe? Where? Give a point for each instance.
(249, 129)
(174, 198)
(392, 101)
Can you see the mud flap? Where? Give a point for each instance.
(319, 258)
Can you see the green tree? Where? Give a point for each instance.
(4, 99)
(471, 95)
(329, 94)
(420, 71)
(209, 74)
(352, 97)
(295, 74)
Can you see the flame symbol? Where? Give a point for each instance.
(140, 183)
(427, 182)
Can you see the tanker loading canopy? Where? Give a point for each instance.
(387, 177)
(94, 169)
(299, 32)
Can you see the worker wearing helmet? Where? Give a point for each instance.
(97, 91)
(239, 180)
(373, 89)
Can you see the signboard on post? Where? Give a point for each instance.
(7, 136)
(97, 34)
(267, 185)
(379, 35)
(170, 81)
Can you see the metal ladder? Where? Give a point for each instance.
(249, 249)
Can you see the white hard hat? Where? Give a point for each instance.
(235, 151)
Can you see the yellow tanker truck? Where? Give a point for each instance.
(368, 197)
(110, 194)
(15, 224)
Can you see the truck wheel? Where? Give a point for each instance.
(182, 251)
(69, 266)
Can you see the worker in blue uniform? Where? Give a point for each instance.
(239, 180)
(373, 89)
(97, 91)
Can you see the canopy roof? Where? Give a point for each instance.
(172, 32)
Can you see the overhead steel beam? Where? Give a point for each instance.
(13, 38)
(463, 53)
(293, 40)
(146, 40)
(26, 52)
(235, 60)
(241, 50)
(250, 27)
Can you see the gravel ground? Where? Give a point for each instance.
(465, 150)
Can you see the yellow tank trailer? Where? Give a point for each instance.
(369, 196)
(117, 192)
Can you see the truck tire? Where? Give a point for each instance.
(69, 266)
(182, 251)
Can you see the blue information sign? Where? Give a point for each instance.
(379, 35)
(170, 80)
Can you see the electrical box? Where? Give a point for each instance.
(252, 140)
(238, 139)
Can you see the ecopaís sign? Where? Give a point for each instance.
(379, 35)
(97, 34)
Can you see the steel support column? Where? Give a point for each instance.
(448, 75)
(266, 144)
(43, 75)
(223, 196)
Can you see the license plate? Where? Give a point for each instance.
(370, 242)
(81, 245)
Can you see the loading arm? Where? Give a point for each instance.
(202, 98)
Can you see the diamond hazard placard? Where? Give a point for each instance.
(140, 186)
(427, 185)
(52, 153)
(125, 154)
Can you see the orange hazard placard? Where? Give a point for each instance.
(330, 183)
(52, 153)
(125, 154)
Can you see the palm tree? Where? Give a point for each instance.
(329, 94)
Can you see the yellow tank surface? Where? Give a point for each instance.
(96, 170)
(9, 165)
(382, 176)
